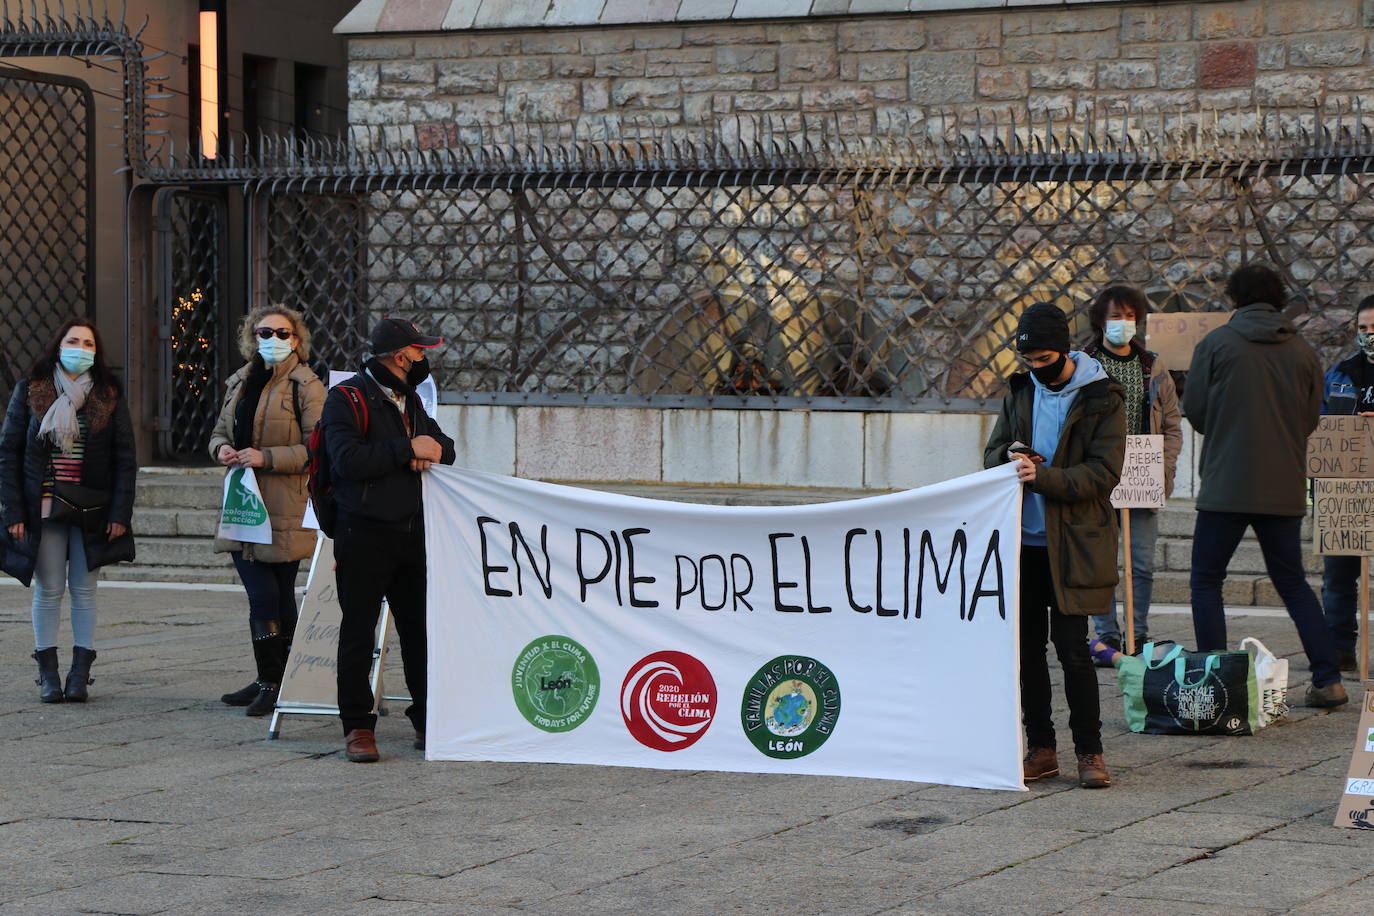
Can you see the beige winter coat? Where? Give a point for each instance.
(280, 430)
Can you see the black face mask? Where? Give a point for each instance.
(417, 373)
(1048, 375)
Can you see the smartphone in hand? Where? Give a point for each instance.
(1029, 452)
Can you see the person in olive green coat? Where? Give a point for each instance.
(1064, 425)
(270, 407)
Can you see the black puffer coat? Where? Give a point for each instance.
(110, 463)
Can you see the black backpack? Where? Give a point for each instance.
(320, 479)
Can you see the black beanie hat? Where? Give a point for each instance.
(1043, 326)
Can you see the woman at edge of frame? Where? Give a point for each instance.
(270, 406)
(67, 423)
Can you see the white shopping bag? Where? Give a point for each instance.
(243, 514)
(1271, 681)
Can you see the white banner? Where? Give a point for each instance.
(874, 637)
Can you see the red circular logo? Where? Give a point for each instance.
(668, 700)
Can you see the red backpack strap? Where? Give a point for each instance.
(358, 403)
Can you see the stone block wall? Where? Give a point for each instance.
(879, 75)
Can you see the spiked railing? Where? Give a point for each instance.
(628, 153)
(759, 262)
(51, 30)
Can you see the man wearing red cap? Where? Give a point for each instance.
(379, 439)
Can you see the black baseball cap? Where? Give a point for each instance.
(392, 334)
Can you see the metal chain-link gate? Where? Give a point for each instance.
(194, 325)
(46, 248)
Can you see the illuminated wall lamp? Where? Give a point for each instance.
(211, 76)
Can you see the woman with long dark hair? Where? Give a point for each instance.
(270, 407)
(67, 470)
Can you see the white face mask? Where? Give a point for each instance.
(273, 350)
(1119, 332)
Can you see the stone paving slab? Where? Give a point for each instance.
(155, 798)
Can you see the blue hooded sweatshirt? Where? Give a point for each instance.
(1048, 413)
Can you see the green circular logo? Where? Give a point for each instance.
(555, 683)
(791, 706)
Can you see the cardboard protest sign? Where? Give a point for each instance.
(1142, 474)
(1357, 802)
(1341, 446)
(1174, 335)
(243, 514)
(310, 678)
(576, 626)
(1343, 510)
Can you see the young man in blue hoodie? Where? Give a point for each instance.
(1063, 422)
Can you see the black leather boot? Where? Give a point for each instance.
(241, 697)
(80, 675)
(49, 678)
(269, 651)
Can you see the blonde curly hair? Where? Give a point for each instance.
(248, 340)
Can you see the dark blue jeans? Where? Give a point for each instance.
(1340, 597)
(1215, 538)
(271, 590)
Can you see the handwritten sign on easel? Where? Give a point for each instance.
(1341, 446)
(1174, 335)
(310, 678)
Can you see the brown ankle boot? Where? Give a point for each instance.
(1092, 772)
(1040, 763)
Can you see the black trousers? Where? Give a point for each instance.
(376, 560)
(1041, 621)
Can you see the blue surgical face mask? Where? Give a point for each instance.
(76, 360)
(273, 350)
(1119, 332)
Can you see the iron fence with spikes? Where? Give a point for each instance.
(52, 30)
(763, 262)
(752, 268)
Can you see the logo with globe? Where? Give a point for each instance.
(555, 683)
(791, 706)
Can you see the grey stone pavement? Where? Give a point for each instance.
(154, 798)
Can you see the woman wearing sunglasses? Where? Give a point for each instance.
(270, 407)
(67, 471)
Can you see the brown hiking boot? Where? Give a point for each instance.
(1092, 772)
(1326, 697)
(1040, 763)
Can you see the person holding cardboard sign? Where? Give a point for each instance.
(1254, 393)
(1062, 422)
(1348, 389)
(1151, 409)
(270, 406)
